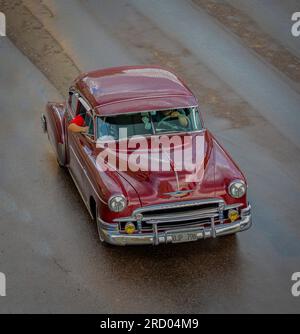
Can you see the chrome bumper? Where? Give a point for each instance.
(110, 233)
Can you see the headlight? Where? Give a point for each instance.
(117, 203)
(237, 189)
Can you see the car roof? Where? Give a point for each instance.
(134, 89)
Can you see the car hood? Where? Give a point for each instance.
(206, 169)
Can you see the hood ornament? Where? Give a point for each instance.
(179, 193)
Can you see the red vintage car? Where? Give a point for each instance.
(126, 110)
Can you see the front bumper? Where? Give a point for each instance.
(110, 233)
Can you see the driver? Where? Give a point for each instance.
(77, 124)
(176, 114)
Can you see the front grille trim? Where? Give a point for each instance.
(200, 213)
(197, 214)
(174, 205)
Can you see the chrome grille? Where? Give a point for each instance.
(171, 216)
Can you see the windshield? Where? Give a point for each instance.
(148, 123)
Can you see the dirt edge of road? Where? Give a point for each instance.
(34, 40)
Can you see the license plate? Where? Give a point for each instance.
(184, 237)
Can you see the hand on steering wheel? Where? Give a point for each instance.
(166, 123)
(173, 126)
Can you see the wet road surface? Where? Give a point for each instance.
(49, 249)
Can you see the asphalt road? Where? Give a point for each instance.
(249, 95)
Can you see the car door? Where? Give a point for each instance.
(77, 163)
(87, 147)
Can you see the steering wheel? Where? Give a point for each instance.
(172, 126)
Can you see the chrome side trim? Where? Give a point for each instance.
(80, 193)
(85, 173)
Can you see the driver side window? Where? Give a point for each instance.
(88, 120)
